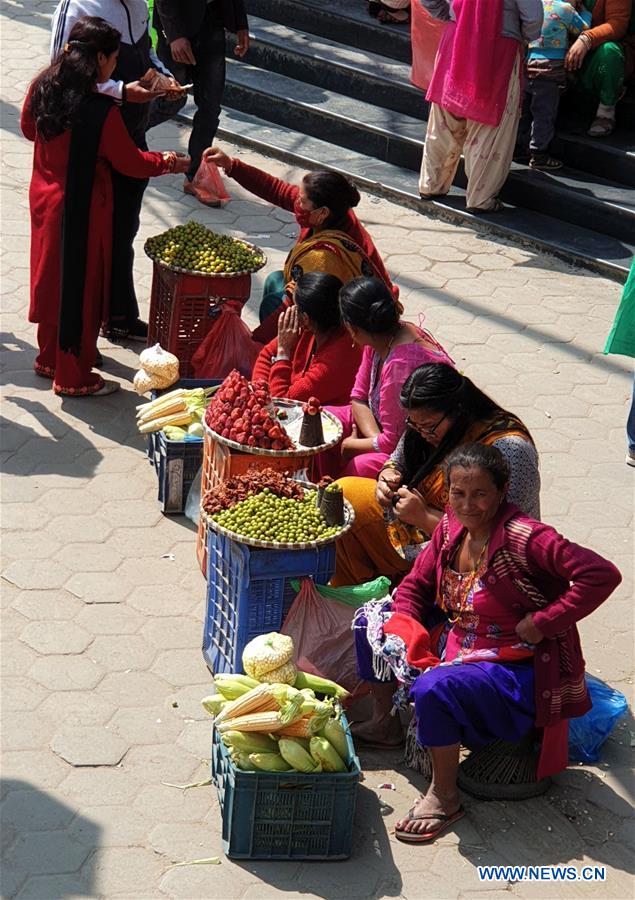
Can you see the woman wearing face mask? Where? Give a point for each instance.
(312, 355)
(331, 239)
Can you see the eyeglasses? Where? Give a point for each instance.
(423, 429)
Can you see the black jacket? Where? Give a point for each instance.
(183, 18)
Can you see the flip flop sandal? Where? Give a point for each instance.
(477, 211)
(544, 163)
(601, 127)
(412, 837)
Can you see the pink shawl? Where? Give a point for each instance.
(474, 64)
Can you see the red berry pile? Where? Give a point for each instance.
(312, 406)
(241, 411)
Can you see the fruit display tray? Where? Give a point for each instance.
(331, 426)
(180, 270)
(349, 518)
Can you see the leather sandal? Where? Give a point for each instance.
(414, 837)
(601, 127)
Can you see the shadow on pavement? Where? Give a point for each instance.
(48, 850)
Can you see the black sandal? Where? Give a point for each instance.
(544, 163)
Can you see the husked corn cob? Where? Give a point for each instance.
(148, 410)
(258, 699)
(178, 418)
(268, 722)
(269, 762)
(305, 727)
(297, 757)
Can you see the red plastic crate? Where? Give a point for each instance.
(184, 306)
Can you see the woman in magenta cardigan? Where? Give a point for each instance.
(512, 589)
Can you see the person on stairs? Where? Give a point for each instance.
(474, 95)
(546, 77)
(599, 57)
(191, 43)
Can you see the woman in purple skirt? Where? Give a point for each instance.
(512, 590)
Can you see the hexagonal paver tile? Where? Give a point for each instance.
(43, 887)
(21, 693)
(134, 688)
(57, 499)
(131, 513)
(119, 652)
(46, 852)
(36, 574)
(155, 763)
(109, 618)
(89, 746)
(119, 826)
(19, 766)
(166, 804)
(29, 545)
(118, 487)
(34, 811)
(146, 725)
(165, 600)
(147, 571)
(55, 637)
(79, 529)
(126, 871)
(93, 587)
(180, 667)
(78, 707)
(48, 605)
(66, 673)
(103, 786)
(173, 632)
(89, 558)
(183, 841)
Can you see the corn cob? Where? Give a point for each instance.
(336, 736)
(305, 727)
(178, 418)
(249, 743)
(234, 686)
(319, 685)
(266, 722)
(325, 754)
(296, 756)
(256, 700)
(269, 762)
(154, 406)
(167, 406)
(213, 704)
(242, 761)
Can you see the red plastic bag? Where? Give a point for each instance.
(425, 35)
(208, 184)
(228, 345)
(322, 637)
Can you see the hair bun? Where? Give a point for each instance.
(354, 196)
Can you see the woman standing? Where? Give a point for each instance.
(79, 139)
(374, 420)
(475, 95)
(396, 514)
(513, 590)
(331, 239)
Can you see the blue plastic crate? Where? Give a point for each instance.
(176, 462)
(288, 815)
(249, 593)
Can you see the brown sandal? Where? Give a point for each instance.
(414, 837)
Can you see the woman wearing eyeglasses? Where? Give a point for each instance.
(374, 421)
(396, 514)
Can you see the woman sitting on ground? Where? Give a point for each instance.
(79, 138)
(312, 355)
(374, 420)
(513, 590)
(444, 409)
(331, 239)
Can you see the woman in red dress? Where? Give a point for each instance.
(79, 138)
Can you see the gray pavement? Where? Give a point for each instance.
(102, 602)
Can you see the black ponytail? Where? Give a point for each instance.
(368, 304)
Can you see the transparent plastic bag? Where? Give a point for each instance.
(192, 509)
(228, 345)
(208, 183)
(590, 731)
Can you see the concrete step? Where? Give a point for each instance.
(571, 197)
(574, 244)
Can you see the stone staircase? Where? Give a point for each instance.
(324, 85)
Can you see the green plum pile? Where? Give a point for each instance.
(267, 517)
(197, 249)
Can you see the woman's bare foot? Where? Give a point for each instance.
(429, 805)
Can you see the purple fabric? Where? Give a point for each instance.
(363, 651)
(474, 704)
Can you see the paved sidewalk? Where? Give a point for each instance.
(103, 604)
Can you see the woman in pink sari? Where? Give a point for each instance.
(475, 95)
(374, 420)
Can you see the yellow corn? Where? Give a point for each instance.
(258, 699)
(179, 418)
(269, 762)
(325, 754)
(152, 409)
(266, 722)
(297, 757)
(336, 736)
(300, 728)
